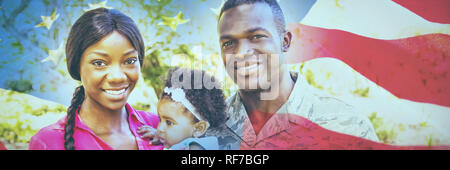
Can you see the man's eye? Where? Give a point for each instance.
(131, 60)
(227, 44)
(99, 63)
(256, 37)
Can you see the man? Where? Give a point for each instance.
(253, 41)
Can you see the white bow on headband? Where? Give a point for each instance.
(179, 96)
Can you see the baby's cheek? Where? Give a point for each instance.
(175, 138)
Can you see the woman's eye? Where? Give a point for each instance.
(99, 63)
(131, 60)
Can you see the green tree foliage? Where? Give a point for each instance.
(25, 115)
(34, 39)
(32, 42)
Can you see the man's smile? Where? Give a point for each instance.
(246, 68)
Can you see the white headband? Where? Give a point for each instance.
(179, 96)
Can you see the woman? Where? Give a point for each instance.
(104, 51)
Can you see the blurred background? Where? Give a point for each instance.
(36, 88)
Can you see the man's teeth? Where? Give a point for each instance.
(115, 92)
(252, 66)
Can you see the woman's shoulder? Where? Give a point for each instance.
(55, 128)
(49, 137)
(145, 117)
(149, 118)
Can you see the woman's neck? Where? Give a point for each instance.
(102, 120)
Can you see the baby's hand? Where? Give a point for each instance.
(150, 133)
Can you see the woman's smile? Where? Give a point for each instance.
(116, 93)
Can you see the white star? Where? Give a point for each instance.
(47, 21)
(217, 10)
(173, 22)
(98, 5)
(55, 55)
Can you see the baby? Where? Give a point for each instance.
(187, 113)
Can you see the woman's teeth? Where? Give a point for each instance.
(115, 92)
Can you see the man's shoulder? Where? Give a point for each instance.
(234, 104)
(335, 114)
(227, 139)
(232, 99)
(319, 100)
(331, 108)
(325, 103)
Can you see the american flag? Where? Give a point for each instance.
(401, 45)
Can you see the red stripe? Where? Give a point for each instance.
(431, 10)
(415, 68)
(306, 135)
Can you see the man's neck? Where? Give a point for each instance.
(260, 111)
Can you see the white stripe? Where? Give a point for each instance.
(381, 19)
(411, 123)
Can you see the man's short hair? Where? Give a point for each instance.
(273, 4)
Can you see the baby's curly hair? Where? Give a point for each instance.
(208, 102)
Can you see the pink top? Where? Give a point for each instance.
(2, 147)
(52, 136)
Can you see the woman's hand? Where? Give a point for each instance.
(150, 133)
